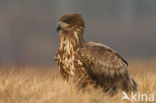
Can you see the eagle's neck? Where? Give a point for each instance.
(71, 40)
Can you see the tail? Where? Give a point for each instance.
(133, 85)
(128, 84)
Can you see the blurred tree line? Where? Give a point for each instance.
(28, 35)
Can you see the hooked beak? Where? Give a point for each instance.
(58, 27)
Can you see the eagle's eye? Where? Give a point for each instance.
(68, 20)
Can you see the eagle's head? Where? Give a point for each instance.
(70, 22)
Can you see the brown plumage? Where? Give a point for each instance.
(87, 63)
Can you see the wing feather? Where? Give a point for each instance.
(105, 66)
(99, 58)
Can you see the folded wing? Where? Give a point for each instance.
(105, 66)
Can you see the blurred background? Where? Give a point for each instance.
(28, 35)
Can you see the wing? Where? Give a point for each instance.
(99, 58)
(103, 64)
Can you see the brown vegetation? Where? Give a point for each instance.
(44, 85)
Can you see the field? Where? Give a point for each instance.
(45, 85)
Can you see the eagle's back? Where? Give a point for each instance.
(105, 67)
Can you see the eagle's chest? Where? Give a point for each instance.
(69, 63)
(66, 55)
(66, 63)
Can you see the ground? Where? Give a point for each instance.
(45, 85)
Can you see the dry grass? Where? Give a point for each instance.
(31, 85)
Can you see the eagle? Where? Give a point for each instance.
(89, 63)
